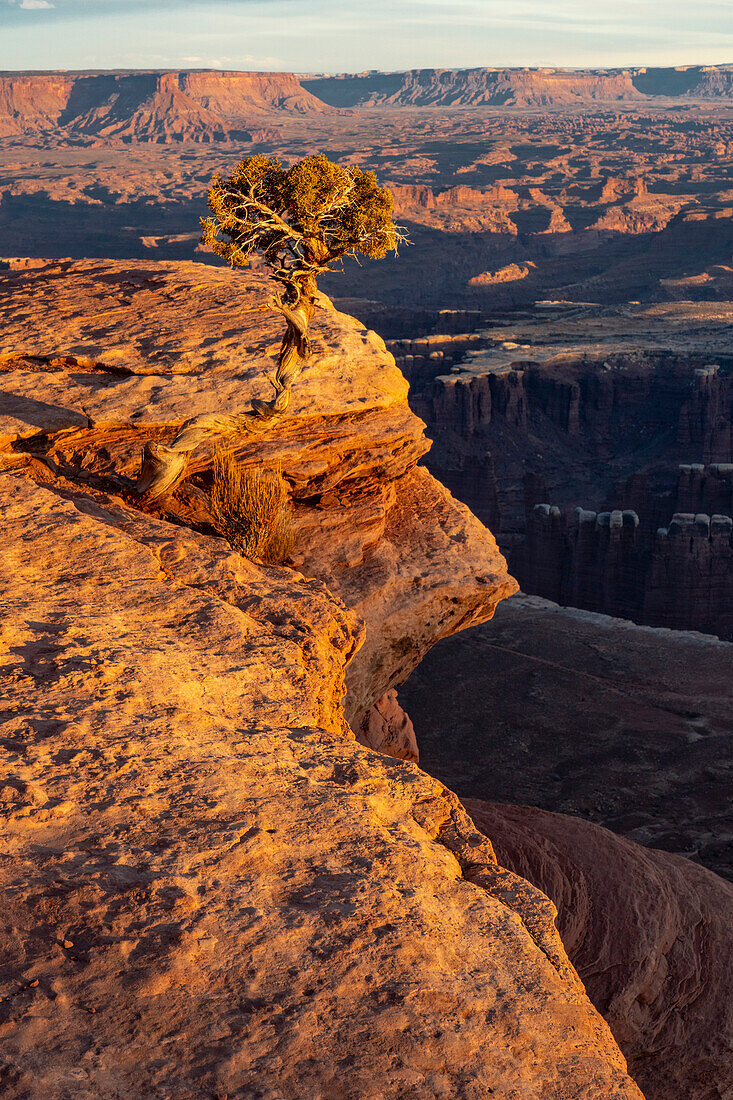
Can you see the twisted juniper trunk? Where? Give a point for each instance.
(163, 467)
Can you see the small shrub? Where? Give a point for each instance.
(249, 508)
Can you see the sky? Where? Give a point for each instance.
(355, 35)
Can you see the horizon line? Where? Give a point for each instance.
(377, 72)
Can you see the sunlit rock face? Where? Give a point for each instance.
(210, 887)
(120, 355)
(161, 107)
(389, 729)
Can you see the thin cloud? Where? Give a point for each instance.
(349, 35)
(197, 62)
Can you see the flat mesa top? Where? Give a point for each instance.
(555, 332)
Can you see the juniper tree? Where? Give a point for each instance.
(301, 222)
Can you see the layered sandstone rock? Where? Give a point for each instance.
(679, 576)
(509, 274)
(611, 724)
(150, 107)
(29, 104)
(412, 196)
(389, 729)
(121, 355)
(478, 87)
(690, 581)
(604, 398)
(546, 178)
(703, 488)
(147, 106)
(536, 87)
(646, 216)
(202, 873)
(706, 421)
(461, 208)
(630, 547)
(650, 936)
(210, 888)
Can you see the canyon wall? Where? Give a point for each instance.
(706, 421)
(147, 106)
(705, 488)
(520, 87)
(537, 450)
(206, 106)
(600, 398)
(680, 577)
(459, 208)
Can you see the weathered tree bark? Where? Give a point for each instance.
(164, 467)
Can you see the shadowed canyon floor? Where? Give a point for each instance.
(629, 727)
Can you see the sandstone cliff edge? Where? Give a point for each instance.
(211, 888)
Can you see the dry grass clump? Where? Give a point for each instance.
(249, 508)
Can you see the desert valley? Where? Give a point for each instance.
(441, 805)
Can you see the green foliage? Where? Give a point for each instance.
(249, 508)
(302, 219)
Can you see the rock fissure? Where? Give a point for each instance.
(530, 906)
(21, 360)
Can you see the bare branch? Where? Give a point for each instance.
(302, 221)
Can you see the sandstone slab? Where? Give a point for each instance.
(121, 354)
(209, 888)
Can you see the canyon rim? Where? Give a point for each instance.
(434, 800)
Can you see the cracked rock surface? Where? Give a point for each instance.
(98, 356)
(210, 889)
